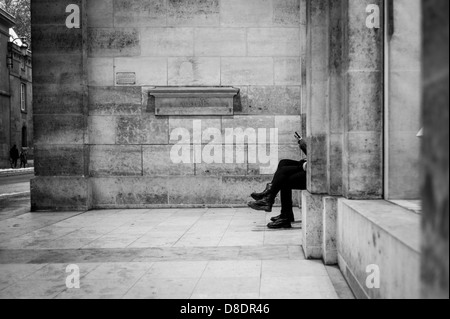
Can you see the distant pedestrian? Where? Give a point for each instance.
(23, 159)
(14, 156)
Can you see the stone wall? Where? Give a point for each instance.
(250, 45)
(5, 23)
(60, 109)
(105, 135)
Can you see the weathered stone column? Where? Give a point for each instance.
(435, 150)
(317, 128)
(335, 100)
(317, 81)
(60, 108)
(363, 103)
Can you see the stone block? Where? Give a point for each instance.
(59, 129)
(51, 39)
(108, 42)
(243, 122)
(194, 72)
(247, 71)
(330, 211)
(335, 164)
(115, 100)
(288, 71)
(273, 42)
(48, 12)
(272, 155)
(312, 218)
(58, 69)
(363, 168)
(164, 42)
(61, 160)
(287, 126)
(193, 101)
(382, 234)
(286, 13)
(100, 13)
(101, 71)
(128, 192)
(157, 161)
(143, 129)
(102, 130)
(193, 13)
(60, 194)
(115, 160)
(365, 46)
(365, 101)
(58, 99)
(220, 42)
(317, 177)
(237, 13)
(139, 13)
(194, 190)
(232, 162)
(274, 100)
(148, 70)
(236, 190)
(187, 124)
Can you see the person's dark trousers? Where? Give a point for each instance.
(290, 175)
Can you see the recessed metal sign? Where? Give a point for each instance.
(125, 78)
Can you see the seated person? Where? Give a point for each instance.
(289, 175)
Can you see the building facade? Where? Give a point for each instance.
(16, 111)
(139, 105)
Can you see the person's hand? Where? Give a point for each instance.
(302, 144)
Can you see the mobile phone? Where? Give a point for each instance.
(297, 136)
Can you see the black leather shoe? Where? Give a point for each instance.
(280, 224)
(260, 196)
(274, 219)
(265, 204)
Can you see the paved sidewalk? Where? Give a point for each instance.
(185, 253)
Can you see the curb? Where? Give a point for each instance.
(8, 173)
(14, 195)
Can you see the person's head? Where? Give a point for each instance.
(15, 146)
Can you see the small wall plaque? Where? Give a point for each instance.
(125, 78)
(194, 101)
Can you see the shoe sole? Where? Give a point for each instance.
(274, 220)
(280, 227)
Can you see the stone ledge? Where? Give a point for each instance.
(398, 222)
(376, 232)
(194, 101)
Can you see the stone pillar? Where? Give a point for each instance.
(60, 108)
(317, 81)
(303, 50)
(435, 150)
(316, 125)
(363, 103)
(335, 100)
(329, 240)
(312, 211)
